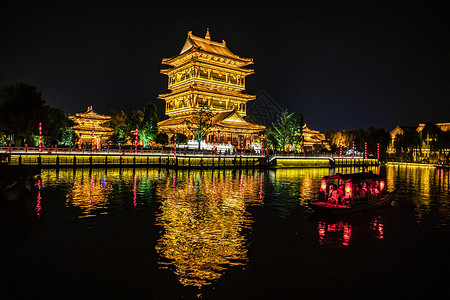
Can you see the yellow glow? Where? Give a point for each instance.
(203, 217)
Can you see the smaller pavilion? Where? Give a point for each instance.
(89, 127)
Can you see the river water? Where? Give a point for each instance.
(166, 234)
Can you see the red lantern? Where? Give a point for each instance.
(40, 137)
(136, 142)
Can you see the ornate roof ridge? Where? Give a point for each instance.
(208, 45)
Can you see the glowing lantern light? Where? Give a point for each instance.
(340, 148)
(381, 185)
(262, 145)
(135, 141)
(365, 150)
(323, 185)
(40, 137)
(353, 149)
(378, 151)
(348, 190)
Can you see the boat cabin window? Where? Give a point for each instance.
(335, 190)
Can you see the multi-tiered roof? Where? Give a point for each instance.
(207, 75)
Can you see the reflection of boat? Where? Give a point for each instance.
(346, 193)
(339, 231)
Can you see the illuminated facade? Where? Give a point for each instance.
(313, 138)
(89, 127)
(206, 75)
(425, 140)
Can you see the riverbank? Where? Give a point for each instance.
(194, 160)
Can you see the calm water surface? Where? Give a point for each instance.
(165, 234)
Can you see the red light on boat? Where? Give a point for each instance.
(348, 190)
(381, 185)
(323, 185)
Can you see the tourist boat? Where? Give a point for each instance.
(346, 193)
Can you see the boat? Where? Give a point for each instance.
(348, 193)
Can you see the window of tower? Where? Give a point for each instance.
(220, 104)
(204, 73)
(218, 76)
(233, 79)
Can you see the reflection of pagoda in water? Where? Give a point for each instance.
(203, 218)
(89, 193)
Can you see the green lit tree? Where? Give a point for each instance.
(149, 125)
(287, 130)
(296, 123)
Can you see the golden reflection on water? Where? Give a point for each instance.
(203, 215)
(89, 193)
(427, 189)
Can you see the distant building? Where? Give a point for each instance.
(89, 127)
(313, 139)
(425, 146)
(400, 129)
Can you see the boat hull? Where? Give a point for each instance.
(336, 209)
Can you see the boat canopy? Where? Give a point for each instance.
(355, 177)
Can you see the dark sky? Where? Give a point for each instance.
(341, 64)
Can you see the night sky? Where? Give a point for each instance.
(341, 64)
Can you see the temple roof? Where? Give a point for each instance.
(207, 45)
(90, 114)
(227, 119)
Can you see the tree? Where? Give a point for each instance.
(200, 122)
(149, 126)
(340, 137)
(133, 122)
(59, 129)
(430, 134)
(21, 110)
(297, 123)
(181, 139)
(407, 143)
(162, 138)
(119, 125)
(288, 129)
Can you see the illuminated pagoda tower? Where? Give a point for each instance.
(90, 125)
(207, 75)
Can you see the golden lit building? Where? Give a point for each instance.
(425, 147)
(90, 125)
(206, 75)
(313, 138)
